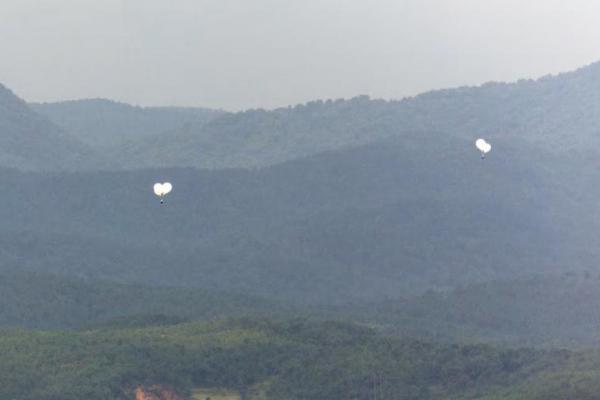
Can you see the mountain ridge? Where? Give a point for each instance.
(555, 114)
(29, 141)
(106, 124)
(550, 113)
(385, 219)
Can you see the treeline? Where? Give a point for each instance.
(550, 311)
(547, 113)
(43, 301)
(355, 225)
(293, 359)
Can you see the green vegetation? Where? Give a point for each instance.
(108, 125)
(374, 211)
(215, 394)
(536, 312)
(29, 141)
(553, 114)
(551, 311)
(358, 225)
(298, 359)
(41, 301)
(399, 204)
(548, 114)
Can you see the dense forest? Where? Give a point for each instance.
(293, 359)
(108, 125)
(43, 301)
(555, 114)
(339, 249)
(540, 312)
(349, 225)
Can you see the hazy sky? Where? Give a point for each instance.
(236, 54)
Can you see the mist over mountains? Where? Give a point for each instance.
(109, 125)
(327, 203)
(30, 141)
(555, 114)
(544, 112)
(323, 229)
(338, 249)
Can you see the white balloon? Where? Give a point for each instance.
(158, 189)
(483, 146)
(162, 189)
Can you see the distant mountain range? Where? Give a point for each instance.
(107, 125)
(555, 114)
(540, 311)
(29, 141)
(374, 222)
(46, 301)
(377, 212)
(329, 203)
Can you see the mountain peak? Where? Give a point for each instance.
(30, 141)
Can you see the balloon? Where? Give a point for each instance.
(162, 189)
(158, 189)
(483, 146)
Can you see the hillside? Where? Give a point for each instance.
(555, 114)
(409, 212)
(43, 301)
(379, 221)
(258, 138)
(542, 311)
(107, 125)
(356, 224)
(29, 141)
(273, 360)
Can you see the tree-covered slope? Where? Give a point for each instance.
(30, 141)
(258, 138)
(361, 223)
(382, 220)
(44, 301)
(395, 217)
(292, 360)
(542, 311)
(555, 114)
(108, 125)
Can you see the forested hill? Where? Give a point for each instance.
(381, 212)
(29, 141)
(413, 209)
(45, 301)
(292, 359)
(542, 312)
(382, 220)
(108, 125)
(554, 114)
(548, 311)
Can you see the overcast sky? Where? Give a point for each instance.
(237, 54)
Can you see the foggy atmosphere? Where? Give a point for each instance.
(299, 200)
